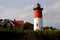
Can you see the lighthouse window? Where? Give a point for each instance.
(37, 24)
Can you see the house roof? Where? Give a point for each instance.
(18, 22)
(14, 23)
(6, 21)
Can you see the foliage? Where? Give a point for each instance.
(28, 26)
(49, 28)
(17, 34)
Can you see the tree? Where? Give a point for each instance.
(28, 26)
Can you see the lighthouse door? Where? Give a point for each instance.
(37, 24)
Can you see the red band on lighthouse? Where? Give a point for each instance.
(37, 13)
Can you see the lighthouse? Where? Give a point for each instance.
(38, 21)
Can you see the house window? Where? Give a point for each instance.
(8, 24)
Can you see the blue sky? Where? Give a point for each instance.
(23, 10)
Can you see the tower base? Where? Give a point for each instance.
(38, 24)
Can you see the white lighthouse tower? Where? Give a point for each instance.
(38, 22)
